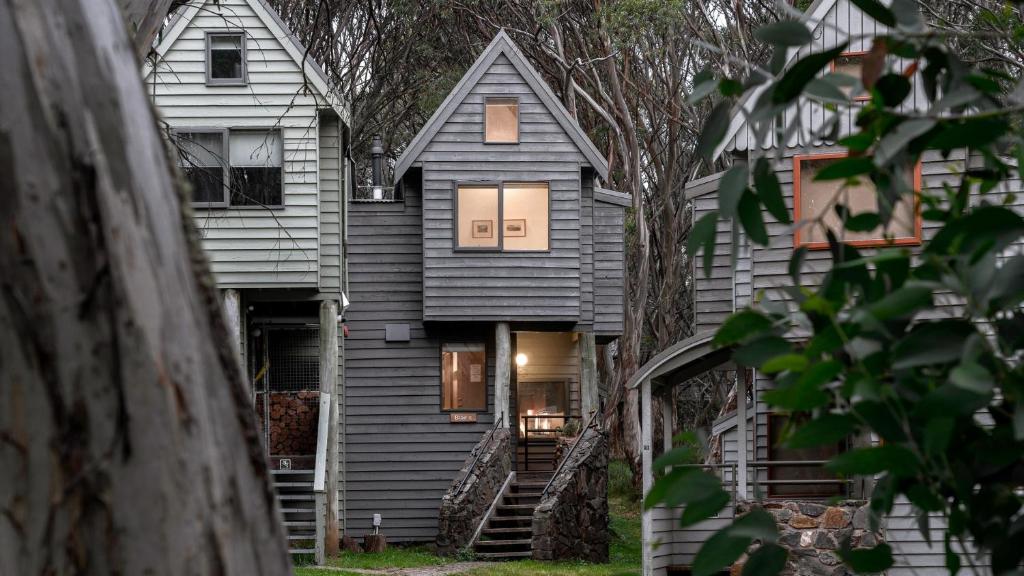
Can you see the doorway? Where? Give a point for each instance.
(547, 399)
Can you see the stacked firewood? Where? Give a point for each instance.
(293, 422)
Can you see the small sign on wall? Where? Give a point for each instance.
(476, 373)
(463, 417)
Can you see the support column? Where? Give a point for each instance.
(329, 385)
(741, 432)
(667, 422)
(647, 473)
(232, 301)
(502, 371)
(590, 400)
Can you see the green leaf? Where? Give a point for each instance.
(702, 235)
(1007, 287)
(825, 90)
(676, 456)
(742, 326)
(752, 219)
(973, 377)
(931, 343)
(770, 191)
(895, 143)
(973, 133)
(730, 189)
(901, 303)
(756, 524)
(846, 168)
(825, 430)
(792, 362)
(792, 83)
(785, 33)
(761, 350)
(806, 392)
(705, 508)
(907, 15)
(891, 458)
(863, 222)
(768, 560)
(868, 560)
(877, 11)
(714, 131)
(719, 551)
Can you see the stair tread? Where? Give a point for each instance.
(295, 496)
(489, 543)
(511, 529)
(502, 555)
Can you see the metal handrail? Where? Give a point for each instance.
(486, 440)
(566, 418)
(590, 421)
(769, 464)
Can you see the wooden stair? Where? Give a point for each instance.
(508, 534)
(294, 489)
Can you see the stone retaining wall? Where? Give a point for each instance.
(572, 522)
(463, 510)
(812, 533)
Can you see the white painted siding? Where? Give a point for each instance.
(252, 247)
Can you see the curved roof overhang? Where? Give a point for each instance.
(682, 361)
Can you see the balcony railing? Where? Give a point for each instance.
(375, 194)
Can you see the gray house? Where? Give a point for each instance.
(260, 136)
(746, 454)
(481, 286)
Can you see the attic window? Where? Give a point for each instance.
(225, 58)
(851, 64)
(501, 121)
(815, 203)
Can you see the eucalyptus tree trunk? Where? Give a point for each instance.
(127, 441)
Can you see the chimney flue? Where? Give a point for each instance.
(377, 156)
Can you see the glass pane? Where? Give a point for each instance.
(799, 475)
(850, 65)
(256, 187)
(818, 200)
(255, 148)
(525, 212)
(207, 183)
(502, 122)
(463, 377)
(478, 216)
(200, 148)
(226, 57)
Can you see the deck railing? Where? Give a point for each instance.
(844, 485)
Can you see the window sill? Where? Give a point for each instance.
(862, 243)
(227, 84)
(245, 208)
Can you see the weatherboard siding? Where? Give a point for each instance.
(539, 286)
(402, 452)
(250, 247)
(331, 170)
(609, 264)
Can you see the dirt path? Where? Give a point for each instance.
(445, 570)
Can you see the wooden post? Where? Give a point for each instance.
(741, 435)
(589, 398)
(329, 385)
(233, 310)
(502, 371)
(667, 421)
(647, 474)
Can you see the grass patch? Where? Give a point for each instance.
(393, 557)
(620, 482)
(307, 571)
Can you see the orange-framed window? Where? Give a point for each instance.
(851, 64)
(814, 204)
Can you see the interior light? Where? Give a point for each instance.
(521, 359)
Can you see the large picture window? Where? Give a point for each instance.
(815, 202)
(256, 178)
(511, 216)
(463, 377)
(812, 480)
(501, 121)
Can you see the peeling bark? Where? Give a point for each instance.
(127, 440)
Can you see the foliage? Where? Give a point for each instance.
(918, 348)
(620, 482)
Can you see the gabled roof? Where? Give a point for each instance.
(814, 14)
(269, 17)
(501, 44)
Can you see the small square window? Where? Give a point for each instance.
(201, 158)
(225, 58)
(501, 121)
(463, 377)
(852, 64)
(256, 168)
(815, 202)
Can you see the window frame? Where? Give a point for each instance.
(842, 446)
(914, 240)
(500, 184)
(440, 397)
(866, 95)
(519, 124)
(210, 80)
(280, 144)
(226, 163)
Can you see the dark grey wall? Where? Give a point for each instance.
(609, 248)
(501, 286)
(401, 450)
